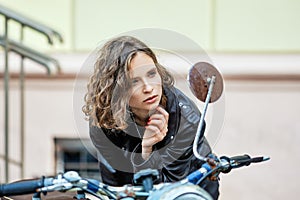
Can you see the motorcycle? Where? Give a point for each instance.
(207, 85)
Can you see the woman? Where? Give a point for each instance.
(138, 119)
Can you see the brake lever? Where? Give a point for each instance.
(56, 187)
(62, 182)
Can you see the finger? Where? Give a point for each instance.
(165, 130)
(150, 141)
(160, 123)
(163, 112)
(159, 116)
(151, 131)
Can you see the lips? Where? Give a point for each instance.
(151, 99)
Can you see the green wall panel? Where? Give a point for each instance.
(96, 20)
(257, 25)
(56, 14)
(216, 25)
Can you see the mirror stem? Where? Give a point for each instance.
(211, 81)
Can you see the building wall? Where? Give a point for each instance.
(255, 45)
(216, 25)
(260, 118)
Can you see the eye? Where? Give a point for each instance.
(134, 81)
(152, 73)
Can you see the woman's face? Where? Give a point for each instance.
(146, 85)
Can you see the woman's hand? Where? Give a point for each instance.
(156, 130)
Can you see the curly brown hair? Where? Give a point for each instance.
(106, 101)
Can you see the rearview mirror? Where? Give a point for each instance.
(200, 76)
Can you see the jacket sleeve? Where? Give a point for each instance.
(176, 157)
(176, 160)
(110, 156)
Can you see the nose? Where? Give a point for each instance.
(147, 87)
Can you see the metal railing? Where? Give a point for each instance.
(24, 52)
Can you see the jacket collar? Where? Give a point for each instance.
(172, 108)
(174, 115)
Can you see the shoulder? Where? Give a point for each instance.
(98, 133)
(188, 108)
(103, 137)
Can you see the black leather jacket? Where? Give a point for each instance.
(120, 151)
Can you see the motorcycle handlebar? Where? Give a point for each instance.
(239, 161)
(22, 187)
(66, 181)
(245, 160)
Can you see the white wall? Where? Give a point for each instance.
(48, 114)
(261, 118)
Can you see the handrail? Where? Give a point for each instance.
(25, 21)
(24, 51)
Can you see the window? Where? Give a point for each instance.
(74, 154)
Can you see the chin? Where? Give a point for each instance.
(153, 106)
